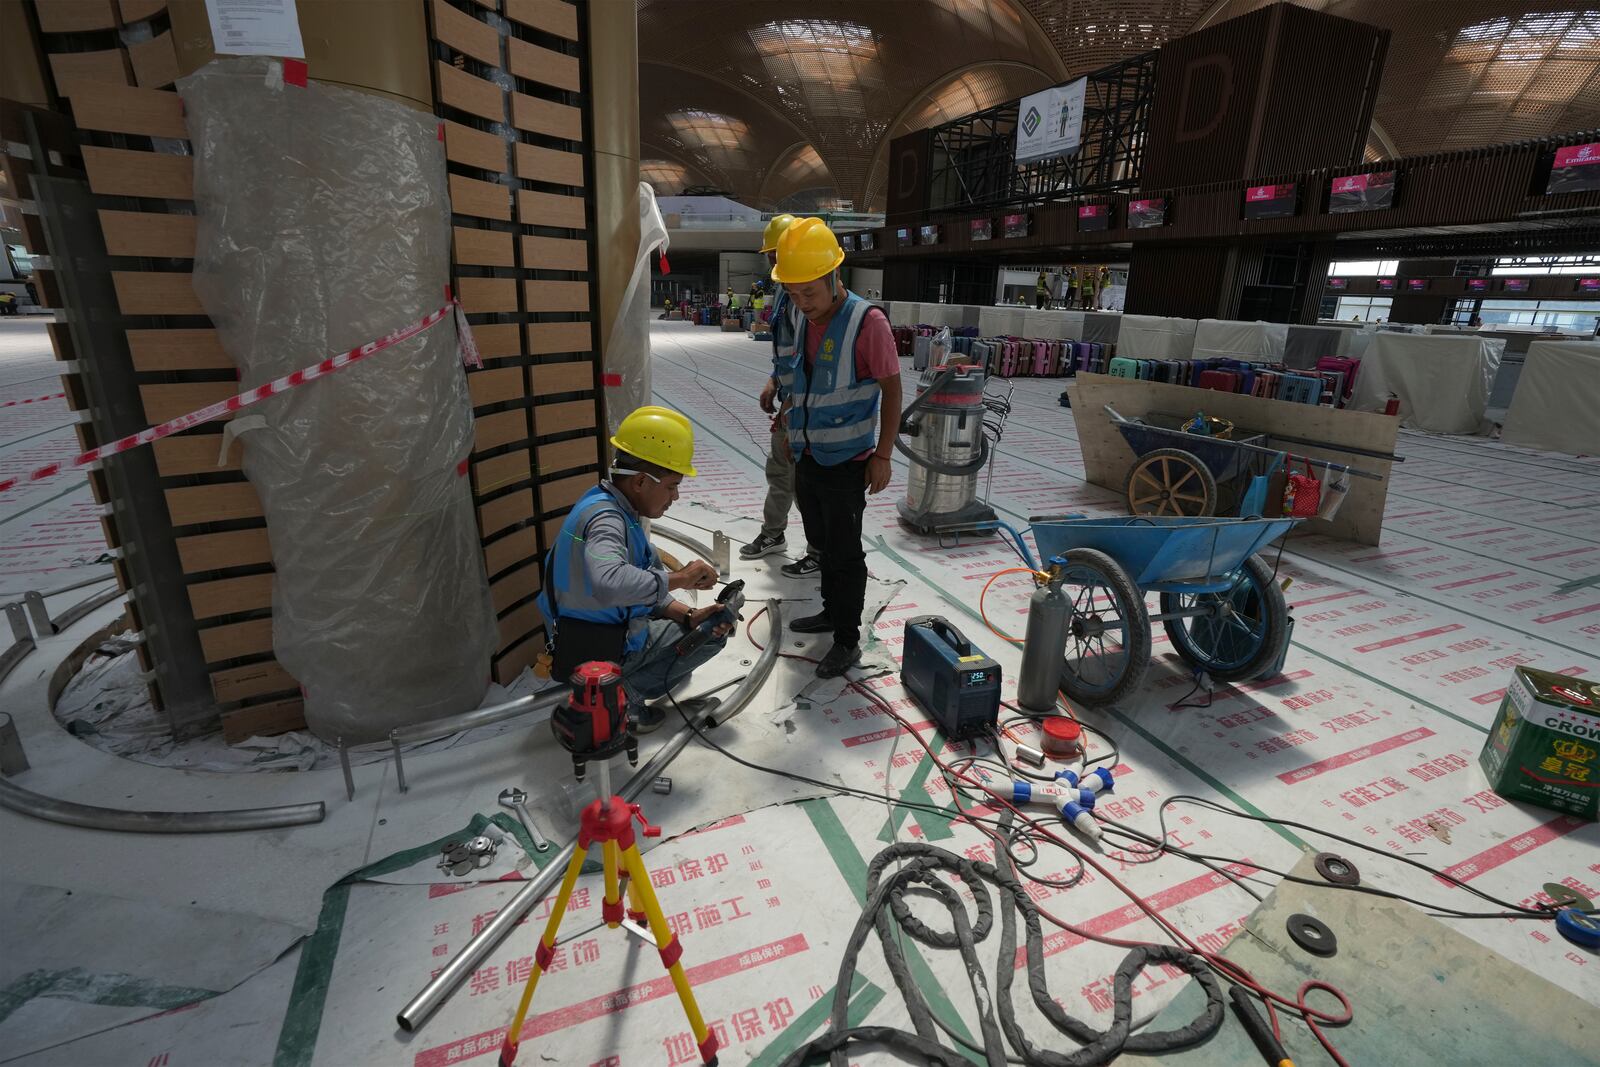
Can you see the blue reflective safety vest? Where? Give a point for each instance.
(568, 592)
(784, 347)
(831, 412)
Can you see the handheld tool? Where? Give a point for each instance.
(732, 600)
(1271, 1050)
(517, 800)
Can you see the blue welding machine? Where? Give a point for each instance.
(956, 684)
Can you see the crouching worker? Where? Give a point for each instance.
(607, 595)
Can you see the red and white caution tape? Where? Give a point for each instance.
(235, 403)
(35, 400)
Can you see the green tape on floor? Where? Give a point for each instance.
(87, 987)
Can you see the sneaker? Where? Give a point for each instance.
(648, 717)
(765, 544)
(804, 567)
(812, 624)
(839, 659)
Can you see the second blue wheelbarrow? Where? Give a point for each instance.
(1220, 603)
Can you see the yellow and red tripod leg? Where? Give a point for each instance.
(542, 957)
(611, 906)
(671, 950)
(635, 909)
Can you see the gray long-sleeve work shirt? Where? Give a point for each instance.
(613, 579)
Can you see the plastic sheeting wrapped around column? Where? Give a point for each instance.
(627, 358)
(324, 224)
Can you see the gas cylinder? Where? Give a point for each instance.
(1043, 646)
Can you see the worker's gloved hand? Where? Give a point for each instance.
(769, 397)
(696, 575)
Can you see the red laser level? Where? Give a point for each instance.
(593, 723)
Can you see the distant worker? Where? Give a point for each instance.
(839, 365)
(780, 460)
(1041, 291)
(1102, 282)
(607, 595)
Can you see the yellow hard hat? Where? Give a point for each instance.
(774, 230)
(808, 250)
(658, 435)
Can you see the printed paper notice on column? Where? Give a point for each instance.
(256, 28)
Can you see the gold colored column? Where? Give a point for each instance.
(377, 46)
(614, 92)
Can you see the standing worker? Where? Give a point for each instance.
(841, 362)
(780, 460)
(607, 595)
(1041, 291)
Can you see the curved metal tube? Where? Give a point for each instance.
(434, 729)
(90, 817)
(425, 1003)
(954, 470)
(700, 548)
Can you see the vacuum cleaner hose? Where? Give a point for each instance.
(955, 470)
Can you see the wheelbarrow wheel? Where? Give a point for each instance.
(1108, 633)
(1243, 635)
(1170, 481)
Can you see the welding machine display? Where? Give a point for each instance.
(955, 683)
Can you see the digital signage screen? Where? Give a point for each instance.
(1385, 285)
(1417, 285)
(982, 229)
(1338, 283)
(1094, 216)
(928, 235)
(1270, 201)
(1477, 285)
(848, 242)
(1576, 169)
(902, 236)
(1361, 192)
(866, 241)
(1147, 214)
(1589, 285)
(1515, 285)
(1016, 225)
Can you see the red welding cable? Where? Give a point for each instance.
(1232, 971)
(748, 628)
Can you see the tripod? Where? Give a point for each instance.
(609, 821)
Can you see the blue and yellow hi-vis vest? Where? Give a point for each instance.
(568, 592)
(831, 412)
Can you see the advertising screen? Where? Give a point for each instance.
(1576, 169)
(1589, 285)
(1094, 216)
(1338, 283)
(1147, 214)
(1515, 285)
(1016, 225)
(867, 241)
(902, 237)
(1050, 123)
(1385, 285)
(1269, 201)
(982, 229)
(848, 242)
(1477, 285)
(1417, 285)
(928, 235)
(1361, 192)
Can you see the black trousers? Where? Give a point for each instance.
(831, 501)
(1040, 300)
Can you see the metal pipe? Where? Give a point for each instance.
(699, 548)
(90, 817)
(425, 1003)
(434, 729)
(83, 607)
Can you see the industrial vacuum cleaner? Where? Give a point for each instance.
(948, 433)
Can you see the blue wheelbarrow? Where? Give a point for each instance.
(1221, 607)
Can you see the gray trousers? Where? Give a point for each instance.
(780, 488)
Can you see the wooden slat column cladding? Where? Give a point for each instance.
(114, 66)
(510, 80)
